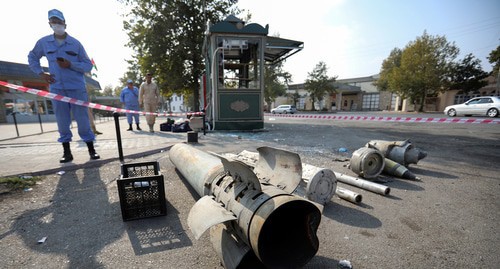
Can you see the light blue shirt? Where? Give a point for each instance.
(130, 97)
(72, 50)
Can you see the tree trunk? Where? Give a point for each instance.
(422, 102)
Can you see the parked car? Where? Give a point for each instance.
(285, 109)
(482, 106)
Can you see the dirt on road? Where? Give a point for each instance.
(448, 219)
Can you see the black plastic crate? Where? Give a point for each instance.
(142, 191)
(140, 169)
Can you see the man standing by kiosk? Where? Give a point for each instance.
(149, 96)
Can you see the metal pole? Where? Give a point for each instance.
(15, 122)
(116, 116)
(363, 184)
(349, 195)
(40, 121)
(204, 127)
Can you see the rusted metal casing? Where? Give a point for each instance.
(367, 162)
(280, 228)
(395, 169)
(317, 184)
(402, 152)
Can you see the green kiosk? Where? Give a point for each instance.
(232, 92)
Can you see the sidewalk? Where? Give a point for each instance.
(38, 153)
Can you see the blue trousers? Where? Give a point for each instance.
(63, 113)
(133, 115)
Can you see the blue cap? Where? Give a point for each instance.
(56, 13)
(130, 81)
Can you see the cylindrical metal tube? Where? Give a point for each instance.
(349, 195)
(279, 227)
(363, 184)
(321, 183)
(198, 167)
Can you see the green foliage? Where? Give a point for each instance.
(109, 91)
(275, 81)
(468, 75)
(388, 71)
(318, 83)
(93, 92)
(19, 183)
(167, 37)
(494, 59)
(423, 69)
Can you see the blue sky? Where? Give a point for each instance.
(352, 37)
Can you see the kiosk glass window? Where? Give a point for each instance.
(239, 63)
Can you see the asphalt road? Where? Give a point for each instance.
(449, 219)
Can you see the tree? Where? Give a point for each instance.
(318, 83)
(109, 91)
(387, 72)
(167, 37)
(275, 81)
(468, 75)
(425, 69)
(494, 59)
(295, 97)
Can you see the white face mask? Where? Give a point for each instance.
(59, 29)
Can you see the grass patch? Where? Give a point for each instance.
(20, 182)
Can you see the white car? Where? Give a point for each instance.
(482, 106)
(285, 109)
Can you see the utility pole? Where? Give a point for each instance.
(497, 91)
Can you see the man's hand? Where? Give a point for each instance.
(63, 63)
(47, 77)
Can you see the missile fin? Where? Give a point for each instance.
(206, 213)
(241, 172)
(280, 168)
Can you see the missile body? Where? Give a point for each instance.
(280, 228)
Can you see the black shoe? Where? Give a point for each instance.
(139, 128)
(129, 129)
(66, 158)
(94, 156)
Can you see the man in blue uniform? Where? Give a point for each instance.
(68, 62)
(130, 98)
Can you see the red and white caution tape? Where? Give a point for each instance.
(392, 119)
(62, 98)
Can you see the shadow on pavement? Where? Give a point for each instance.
(78, 223)
(157, 234)
(350, 216)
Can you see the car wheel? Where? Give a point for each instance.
(492, 113)
(284, 112)
(273, 112)
(452, 112)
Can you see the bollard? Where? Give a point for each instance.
(15, 122)
(192, 137)
(116, 116)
